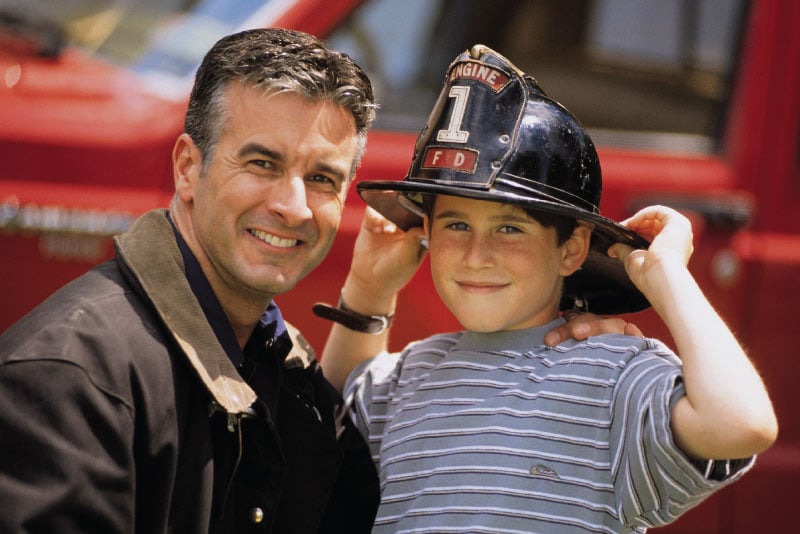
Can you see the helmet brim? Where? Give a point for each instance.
(601, 281)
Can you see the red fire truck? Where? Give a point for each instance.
(694, 104)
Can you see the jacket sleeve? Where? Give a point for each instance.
(66, 451)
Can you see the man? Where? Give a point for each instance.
(155, 393)
(162, 391)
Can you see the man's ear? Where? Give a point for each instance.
(186, 164)
(576, 249)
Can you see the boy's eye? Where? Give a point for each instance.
(459, 226)
(508, 229)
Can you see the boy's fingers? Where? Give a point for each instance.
(377, 223)
(620, 251)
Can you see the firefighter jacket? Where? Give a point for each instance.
(122, 413)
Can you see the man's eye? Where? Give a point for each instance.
(325, 180)
(263, 163)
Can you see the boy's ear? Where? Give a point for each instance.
(186, 164)
(576, 249)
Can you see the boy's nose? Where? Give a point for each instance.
(478, 253)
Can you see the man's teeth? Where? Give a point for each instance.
(275, 241)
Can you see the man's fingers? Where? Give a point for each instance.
(632, 330)
(557, 335)
(605, 325)
(586, 325)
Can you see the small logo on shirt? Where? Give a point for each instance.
(544, 472)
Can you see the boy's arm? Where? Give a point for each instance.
(384, 260)
(726, 412)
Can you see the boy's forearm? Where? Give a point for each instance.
(345, 349)
(726, 412)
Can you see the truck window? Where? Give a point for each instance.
(162, 40)
(651, 74)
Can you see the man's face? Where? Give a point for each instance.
(267, 209)
(494, 266)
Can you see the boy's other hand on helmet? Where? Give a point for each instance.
(670, 236)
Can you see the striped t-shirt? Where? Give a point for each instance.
(498, 433)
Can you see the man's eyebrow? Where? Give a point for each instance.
(335, 171)
(256, 148)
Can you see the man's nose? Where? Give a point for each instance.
(290, 202)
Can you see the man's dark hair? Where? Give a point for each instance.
(277, 61)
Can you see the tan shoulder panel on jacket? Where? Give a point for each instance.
(302, 354)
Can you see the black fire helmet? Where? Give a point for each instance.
(495, 135)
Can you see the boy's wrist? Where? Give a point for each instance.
(367, 300)
(353, 320)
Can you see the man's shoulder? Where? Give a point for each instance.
(89, 310)
(302, 354)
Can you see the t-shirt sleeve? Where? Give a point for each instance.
(655, 482)
(366, 394)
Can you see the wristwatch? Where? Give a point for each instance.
(367, 324)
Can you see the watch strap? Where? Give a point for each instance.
(367, 324)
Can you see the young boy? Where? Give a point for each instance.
(495, 429)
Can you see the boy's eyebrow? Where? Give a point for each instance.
(504, 217)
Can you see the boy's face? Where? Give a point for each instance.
(495, 267)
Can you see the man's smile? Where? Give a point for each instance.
(275, 241)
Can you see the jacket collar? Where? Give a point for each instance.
(151, 252)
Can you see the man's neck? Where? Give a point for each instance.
(243, 316)
(242, 311)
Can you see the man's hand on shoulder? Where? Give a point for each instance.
(584, 325)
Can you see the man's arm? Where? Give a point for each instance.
(726, 412)
(64, 465)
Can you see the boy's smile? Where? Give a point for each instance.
(496, 267)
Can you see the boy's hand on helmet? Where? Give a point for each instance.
(385, 258)
(670, 236)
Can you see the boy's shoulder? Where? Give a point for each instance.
(435, 344)
(615, 346)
